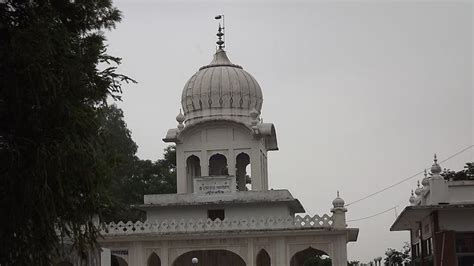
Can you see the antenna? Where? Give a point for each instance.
(221, 32)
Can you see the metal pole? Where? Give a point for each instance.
(223, 27)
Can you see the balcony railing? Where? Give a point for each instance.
(229, 224)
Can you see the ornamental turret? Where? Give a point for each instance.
(339, 212)
(220, 132)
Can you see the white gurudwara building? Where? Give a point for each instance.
(223, 213)
(440, 220)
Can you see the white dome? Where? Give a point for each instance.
(180, 117)
(418, 191)
(338, 202)
(435, 168)
(425, 182)
(412, 198)
(221, 90)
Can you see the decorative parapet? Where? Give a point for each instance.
(230, 224)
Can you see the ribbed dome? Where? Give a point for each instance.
(221, 89)
(338, 202)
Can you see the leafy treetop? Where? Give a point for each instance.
(53, 172)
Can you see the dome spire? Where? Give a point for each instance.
(412, 199)
(435, 168)
(220, 32)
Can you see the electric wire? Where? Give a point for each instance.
(379, 213)
(371, 216)
(407, 178)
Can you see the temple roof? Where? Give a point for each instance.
(223, 87)
(238, 198)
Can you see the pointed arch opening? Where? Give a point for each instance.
(263, 259)
(218, 165)
(310, 257)
(242, 172)
(217, 257)
(117, 261)
(154, 260)
(64, 263)
(193, 169)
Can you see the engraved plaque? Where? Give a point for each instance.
(214, 185)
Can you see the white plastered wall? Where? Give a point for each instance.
(228, 139)
(281, 248)
(247, 211)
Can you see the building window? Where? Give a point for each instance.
(218, 165)
(429, 246)
(416, 250)
(465, 243)
(193, 166)
(193, 169)
(465, 248)
(244, 182)
(217, 213)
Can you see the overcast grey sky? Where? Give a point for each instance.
(361, 93)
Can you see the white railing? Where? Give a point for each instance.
(229, 224)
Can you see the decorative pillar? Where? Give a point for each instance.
(279, 256)
(250, 253)
(339, 212)
(204, 161)
(181, 176)
(412, 199)
(136, 254)
(257, 168)
(437, 184)
(164, 253)
(181, 182)
(339, 250)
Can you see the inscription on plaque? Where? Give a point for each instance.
(215, 185)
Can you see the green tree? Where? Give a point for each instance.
(466, 174)
(399, 257)
(318, 261)
(53, 172)
(131, 177)
(119, 148)
(119, 154)
(145, 177)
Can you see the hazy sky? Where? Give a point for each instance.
(361, 93)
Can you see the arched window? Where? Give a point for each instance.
(218, 165)
(242, 172)
(263, 259)
(193, 166)
(193, 169)
(218, 257)
(64, 263)
(154, 260)
(310, 256)
(117, 261)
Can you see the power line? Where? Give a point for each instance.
(393, 185)
(371, 216)
(380, 213)
(407, 178)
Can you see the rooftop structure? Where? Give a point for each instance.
(440, 220)
(223, 212)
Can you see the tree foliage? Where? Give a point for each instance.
(131, 177)
(53, 172)
(466, 174)
(318, 261)
(398, 257)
